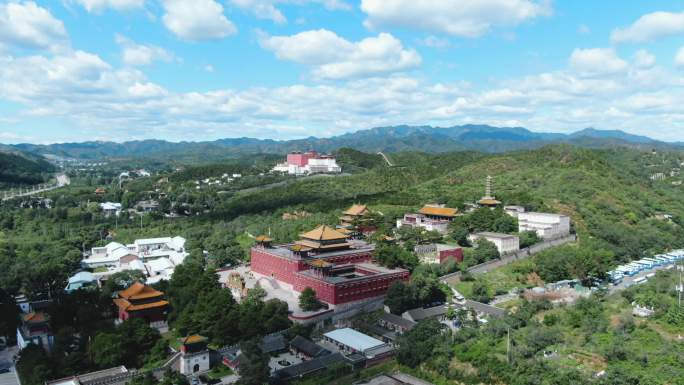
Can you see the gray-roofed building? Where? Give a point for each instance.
(306, 349)
(393, 379)
(420, 313)
(484, 309)
(309, 367)
(116, 375)
(396, 323)
(273, 343)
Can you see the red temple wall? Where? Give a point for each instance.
(445, 255)
(270, 265)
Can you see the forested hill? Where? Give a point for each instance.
(387, 139)
(21, 169)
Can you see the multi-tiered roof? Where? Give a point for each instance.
(323, 238)
(140, 297)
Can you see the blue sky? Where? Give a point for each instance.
(75, 70)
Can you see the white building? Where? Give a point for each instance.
(110, 208)
(310, 162)
(420, 220)
(505, 243)
(154, 257)
(546, 225)
(194, 355)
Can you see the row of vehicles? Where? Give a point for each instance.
(644, 264)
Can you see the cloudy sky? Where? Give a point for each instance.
(74, 70)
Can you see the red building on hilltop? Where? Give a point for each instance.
(339, 270)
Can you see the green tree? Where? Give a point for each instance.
(308, 300)
(481, 291)
(254, 368)
(417, 344)
(400, 297)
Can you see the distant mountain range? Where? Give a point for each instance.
(388, 139)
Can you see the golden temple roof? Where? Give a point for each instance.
(438, 211)
(139, 291)
(320, 263)
(356, 210)
(489, 201)
(324, 233)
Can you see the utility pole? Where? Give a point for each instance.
(680, 288)
(508, 345)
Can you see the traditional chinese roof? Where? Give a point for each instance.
(319, 246)
(127, 306)
(299, 248)
(263, 238)
(34, 318)
(320, 263)
(193, 339)
(139, 291)
(356, 210)
(489, 202)
(438, 211)
(324, 233)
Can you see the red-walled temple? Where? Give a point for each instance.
(339, 270)
(141, 301)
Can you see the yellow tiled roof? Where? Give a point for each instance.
(139, 291)
(323, 233)
(318, 246)
(489, 201)
(193, 339)
(125, 305)
(320, 263)
(440, 211)
(263, 238)
(356, 210)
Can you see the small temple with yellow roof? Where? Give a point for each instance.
(141, 301)
(353, 213)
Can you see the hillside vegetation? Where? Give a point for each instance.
(18, 169)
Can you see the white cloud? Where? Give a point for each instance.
(464, 18)
(650, 27)
(134, 54)
(644, 59)
(197, 20)
(27, 25)
(146, 90)
(679, 57)
(333, 57)
(92, 96)
(596, 61)
(266, 9)
(262, 9)
(435, 42)
(209, 68)
(119, 5)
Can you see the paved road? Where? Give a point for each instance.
(62, 180)
(11, 378)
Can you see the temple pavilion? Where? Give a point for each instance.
(141, 301)
(323, 238)
(353, 213)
